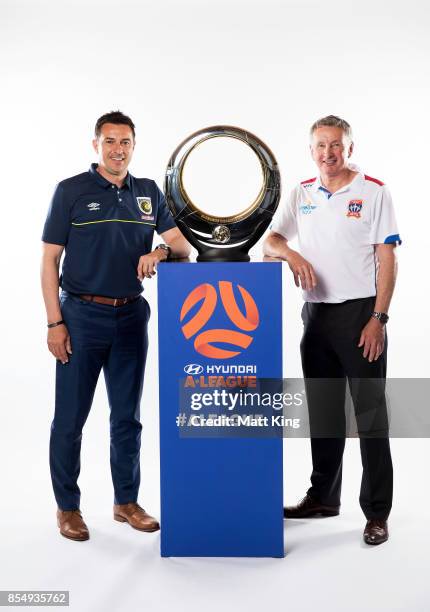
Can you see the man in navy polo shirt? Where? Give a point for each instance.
(104, 220)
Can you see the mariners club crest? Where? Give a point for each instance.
(145, 205)
(354, 208)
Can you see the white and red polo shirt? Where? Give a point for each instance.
(337, 233)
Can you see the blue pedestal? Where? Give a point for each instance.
(220, 496)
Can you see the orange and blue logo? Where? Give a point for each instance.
(354, 208)
(206, 341)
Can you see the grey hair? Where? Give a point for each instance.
(332, 121)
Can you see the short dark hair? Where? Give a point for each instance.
(116, 117)
(333, 121)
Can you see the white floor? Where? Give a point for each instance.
(327, 567)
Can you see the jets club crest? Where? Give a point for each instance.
(354, 208)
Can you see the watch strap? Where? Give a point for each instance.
(381, 316)
(55, 324)
(164, 247)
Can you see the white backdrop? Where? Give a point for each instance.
(272, 67)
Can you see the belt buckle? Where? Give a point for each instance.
(115, 301)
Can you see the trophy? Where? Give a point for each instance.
(216, 237)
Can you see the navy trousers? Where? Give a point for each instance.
(116, 340)
(330, 358)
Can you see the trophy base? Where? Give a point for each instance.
(218, 255)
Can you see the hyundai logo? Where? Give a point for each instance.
(193, 369)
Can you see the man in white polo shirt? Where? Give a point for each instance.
(347, 234)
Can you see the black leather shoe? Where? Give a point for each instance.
(308, 507)
(375, 532)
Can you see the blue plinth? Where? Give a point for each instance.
(220, 496)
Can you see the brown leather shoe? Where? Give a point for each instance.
(136, 516)
(72, 525)
(308, 507)
(375, 532)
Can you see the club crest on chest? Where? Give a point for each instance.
(354, 208)
(145, 205)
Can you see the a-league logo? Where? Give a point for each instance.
(205, 341)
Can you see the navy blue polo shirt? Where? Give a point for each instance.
(105, 229)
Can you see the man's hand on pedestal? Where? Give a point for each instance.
(146, 268)
(302, 270)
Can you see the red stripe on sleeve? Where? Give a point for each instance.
(374, 180)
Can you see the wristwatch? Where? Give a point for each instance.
(164, 247)
(381, 316)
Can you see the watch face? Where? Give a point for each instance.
(381, 316)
